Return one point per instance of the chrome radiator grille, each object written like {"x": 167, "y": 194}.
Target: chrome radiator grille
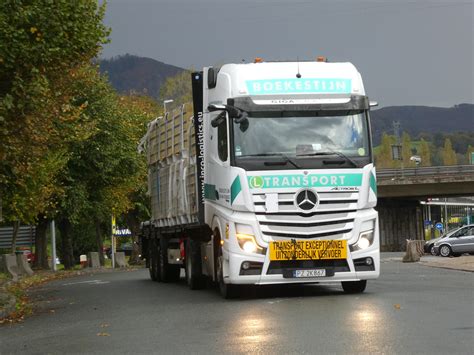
{"x": 333, "y": 216}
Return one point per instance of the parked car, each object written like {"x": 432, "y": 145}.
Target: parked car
{"x": 429, "y": 244}
{"x": 457, "y": 243}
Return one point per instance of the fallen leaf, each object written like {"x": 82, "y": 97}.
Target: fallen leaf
{"x": 103, "y": 334}
{"x": 104, "y": 325}
{"x": 397, "y": 306}
{"x": 52, "y": 311}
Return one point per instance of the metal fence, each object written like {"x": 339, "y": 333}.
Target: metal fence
{"x": 26, "y": 236}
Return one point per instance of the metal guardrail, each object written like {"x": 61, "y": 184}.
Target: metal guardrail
{"x": 424, "y": 171}
{"x": 26, "y": 236}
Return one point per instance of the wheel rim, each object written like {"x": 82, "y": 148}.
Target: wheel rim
{"x": 432, "y": 250}
{"x": 444, "y": 251}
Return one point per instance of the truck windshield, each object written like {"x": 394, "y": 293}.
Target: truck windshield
{"x": 300, "y": 137}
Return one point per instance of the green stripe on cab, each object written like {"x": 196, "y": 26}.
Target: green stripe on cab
{"x": 373, "y": 183}
{"x": 210, "y": 192}
{"x": 235, "y": 189}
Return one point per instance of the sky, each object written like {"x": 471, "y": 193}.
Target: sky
{"x": 408, "y": 52}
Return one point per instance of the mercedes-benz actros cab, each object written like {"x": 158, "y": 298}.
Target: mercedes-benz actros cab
{"x": 269, "y": 181}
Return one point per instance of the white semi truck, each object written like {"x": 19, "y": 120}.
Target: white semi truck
{"x": 270, "y": 181}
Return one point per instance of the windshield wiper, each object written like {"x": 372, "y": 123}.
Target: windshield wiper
{"x": 332, "y": 152}
{"x": 287, "y": 159}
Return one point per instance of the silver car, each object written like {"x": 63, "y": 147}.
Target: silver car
{"x": 457, "y": 243}
{"x": 429, "y": 244}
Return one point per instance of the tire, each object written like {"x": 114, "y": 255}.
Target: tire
{"x": 227, "y": 291}
{"x": 194, "y": 277}
{"x": 432, "y": 250}
{"x": 354, "y": 286}
{"x": 168, "y": 273}
{"x": 154, "y": 263}
{"x": 445, "y": 250}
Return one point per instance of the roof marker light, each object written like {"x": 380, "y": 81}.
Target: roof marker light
{"x": 258, "y": 60}
{"x": 322, "y": 59}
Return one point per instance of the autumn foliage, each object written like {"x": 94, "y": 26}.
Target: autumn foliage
{"x": 67, "y": 139}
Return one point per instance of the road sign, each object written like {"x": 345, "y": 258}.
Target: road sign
{"x": 439, "y": 226}
{"x": 427, "y": 223}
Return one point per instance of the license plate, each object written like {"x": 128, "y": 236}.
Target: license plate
{"x": 309, "y": 273}
{"x": 308, "y": 250}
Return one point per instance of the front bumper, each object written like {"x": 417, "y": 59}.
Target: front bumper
{"x": 273, "y": 272}
{"x": 266, "y": 272}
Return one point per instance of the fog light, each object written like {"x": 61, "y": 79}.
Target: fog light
{"x": 369, "y": 261}
{"x": 245, "y": 265}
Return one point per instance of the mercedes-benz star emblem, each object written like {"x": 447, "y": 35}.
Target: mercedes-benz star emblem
{"x": 306, "y": 200}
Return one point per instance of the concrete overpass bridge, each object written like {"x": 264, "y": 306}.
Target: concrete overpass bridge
{"x": 400, "y": 192}
{"x": 436, "y": 181}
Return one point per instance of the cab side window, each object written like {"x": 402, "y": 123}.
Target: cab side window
{"x": 222, "y": 150}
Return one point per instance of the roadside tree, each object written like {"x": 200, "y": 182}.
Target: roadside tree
{"x": 42, "y": 43}
{"x": 448, "y": 153}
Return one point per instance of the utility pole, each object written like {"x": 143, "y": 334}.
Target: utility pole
{"x": 445, "y": 214}
{"x": 397, "y": 147}
{"x": 53, "y": 245}
{"x": 112, "y": 246}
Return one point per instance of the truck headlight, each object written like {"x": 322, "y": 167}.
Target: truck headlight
{"x": 246, "y": 239}
{"x": 247, "y": 243}
{"x": 365, "y": 240}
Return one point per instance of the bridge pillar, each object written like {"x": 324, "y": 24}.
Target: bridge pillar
{"x": 399, "y": 220}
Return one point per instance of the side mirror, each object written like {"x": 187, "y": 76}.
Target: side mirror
{"x": 243, "y": 121}
{"x": 218, "y": 120}
{"x": 373, "y": 103}
{"x": 239, "y": 116}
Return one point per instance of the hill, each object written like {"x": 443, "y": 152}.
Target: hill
{"x": 129, "y": 73}
{"x": 422, "y": 119}
{"x": 145, "y": 75}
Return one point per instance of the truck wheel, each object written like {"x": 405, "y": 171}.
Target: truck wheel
{"x": 354, "y": 286}
{"x": 227, "y": 291}
{"x": 194, "y": 277}
{"x": 153, "y": 255}
{"x": 168, "y": 273}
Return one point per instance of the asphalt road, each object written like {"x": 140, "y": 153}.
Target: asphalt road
{"x": 411, "y": 309}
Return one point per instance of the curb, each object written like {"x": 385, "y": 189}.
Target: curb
{"x": 424, "y": 263}
{"x": 429, "y": 264}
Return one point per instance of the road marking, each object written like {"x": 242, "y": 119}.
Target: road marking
{"x": 90, "y": 282}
